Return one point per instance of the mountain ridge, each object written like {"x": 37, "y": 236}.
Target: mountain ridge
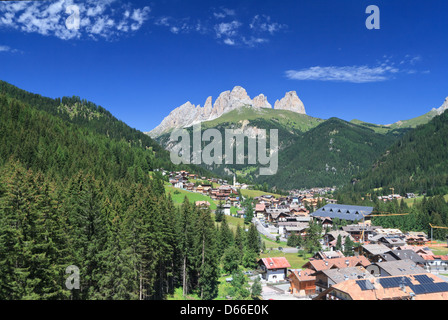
{"x": 188, "y": 114}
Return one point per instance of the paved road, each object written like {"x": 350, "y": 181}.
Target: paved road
{"x": 265, "y": 231}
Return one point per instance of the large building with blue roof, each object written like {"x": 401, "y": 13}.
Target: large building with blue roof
{"x": 343, "y": 212}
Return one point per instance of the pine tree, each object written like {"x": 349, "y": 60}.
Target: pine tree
{"x": 207, "y": 266}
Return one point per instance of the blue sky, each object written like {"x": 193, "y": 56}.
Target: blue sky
{"x": 142, "y": 59}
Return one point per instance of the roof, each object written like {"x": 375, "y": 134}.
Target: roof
{"x": 400, "y": 267}
{"x": 424, "y": 286}
{"x": 342, "y": 211}
{"x": 303, "y": 275}
{"x": 338, "y": 263}
{"x": 340, "y": 275}
{"x": 330, "y": 254}
{"x": 407, "y": 254}
{"x": 275, "y": 263}
{"x": 375, "y": 248}
{"x": 260, "y": 207}
{"x": 359, "y": 228}
{"x": 434, "y": 257}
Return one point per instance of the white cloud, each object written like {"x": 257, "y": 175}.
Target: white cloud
{"x": 229, "y": 42}
{"x": 223, "y": 13}
{"x": 227, "y": 29}
{"x": 4, "y": 48}
{"x": 253, "y": 41}
{"x": 263, "y": 23}
{"x": 354, "y": 74}
{"x": 97, "y": 18}
{"x": 384, "y": 70}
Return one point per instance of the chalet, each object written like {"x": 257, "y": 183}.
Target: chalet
{"x": 324, "y": 255}
{"x": 373, "y": 252}
{"x": 358, "y": 230}
{"x": 330, "y": 277}
{"x": 325, "y": 222}
{"x": 392, "y": 242}
{"x": 260, "y": 210}
{"x": 394, "y": 255}
{"x": 206, "y": 188}
{"x": 189, "y": 186}
{"x": 177, "y": 183}
{"x": 331, "y": 238}
{"x": 203, "y": 204}
{"x": 436, "y": 263}
{"x": 277, "y": 215}
{"x": 336, "y": 263}
{"x": 388, "y": 232}
{"x": 233, "y": 200}
{"x": 298, "y": 211}
{"x": 424, "y": 286}
{"x": 416, "y": 238}
{"x": 394, "y": 268}
{"x": 343, "y": 212}
{"x": 298, "y": 230}
{"x": 302, "y": 283}
{"x": 274, "y": 269}
{"x": 419, "y": 250}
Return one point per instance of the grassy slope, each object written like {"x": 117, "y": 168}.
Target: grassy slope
{"x": 178, "y": 196}
{"x": 285, "y": 118}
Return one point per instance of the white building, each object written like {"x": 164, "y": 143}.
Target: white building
{"x": 274, "y": 269}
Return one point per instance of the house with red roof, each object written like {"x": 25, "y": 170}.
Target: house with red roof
{"x": 436, "y": 263}
{"x": 336, "y": 263}
{"x": 274, "y": 269}
{"x": 260, "y": 210}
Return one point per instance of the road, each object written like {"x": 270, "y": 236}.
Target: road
{"x": 264, "y": 231}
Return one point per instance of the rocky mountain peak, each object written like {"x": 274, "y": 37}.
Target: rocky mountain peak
{"x": 443, "y": 108}
{"x": 188, "y": 114}
{"x": 290, "y": 102}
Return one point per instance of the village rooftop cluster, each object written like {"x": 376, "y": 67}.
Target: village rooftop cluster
{"x": 386, "y": 264}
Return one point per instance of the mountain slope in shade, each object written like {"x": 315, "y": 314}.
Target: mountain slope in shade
{"x": 416, "y": 163}
{"x": 328, "y": 155}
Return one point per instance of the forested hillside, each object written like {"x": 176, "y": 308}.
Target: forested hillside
{"x": 416, "y": 163}
{"x": 75, "y": 189}
{"x": 329, "y": 155}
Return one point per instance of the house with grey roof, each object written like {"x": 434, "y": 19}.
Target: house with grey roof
{"x": 327, "y": 278}
{"x": 395, "y": 255}
{"x": 394, "y": 268}
{"x": 373, "y": 252}
{"x": 343, "y": 212}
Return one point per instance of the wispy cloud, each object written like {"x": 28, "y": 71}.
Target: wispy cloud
{"x": 4, "y": 48}
{"x": 383, "y": 71}
{"x": 227, "y": 29}
{"x": 263, "y": 23}
{"x": 98, "y": 18}
{"x": 223, "y": 13}
{"x": 226, "y": 26}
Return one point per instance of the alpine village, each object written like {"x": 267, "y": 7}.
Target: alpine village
{"x": 342, "y": 219}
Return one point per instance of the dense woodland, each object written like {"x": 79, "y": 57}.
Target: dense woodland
{"x": 416, "y": 163}
{"x": 76, "y": 189}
